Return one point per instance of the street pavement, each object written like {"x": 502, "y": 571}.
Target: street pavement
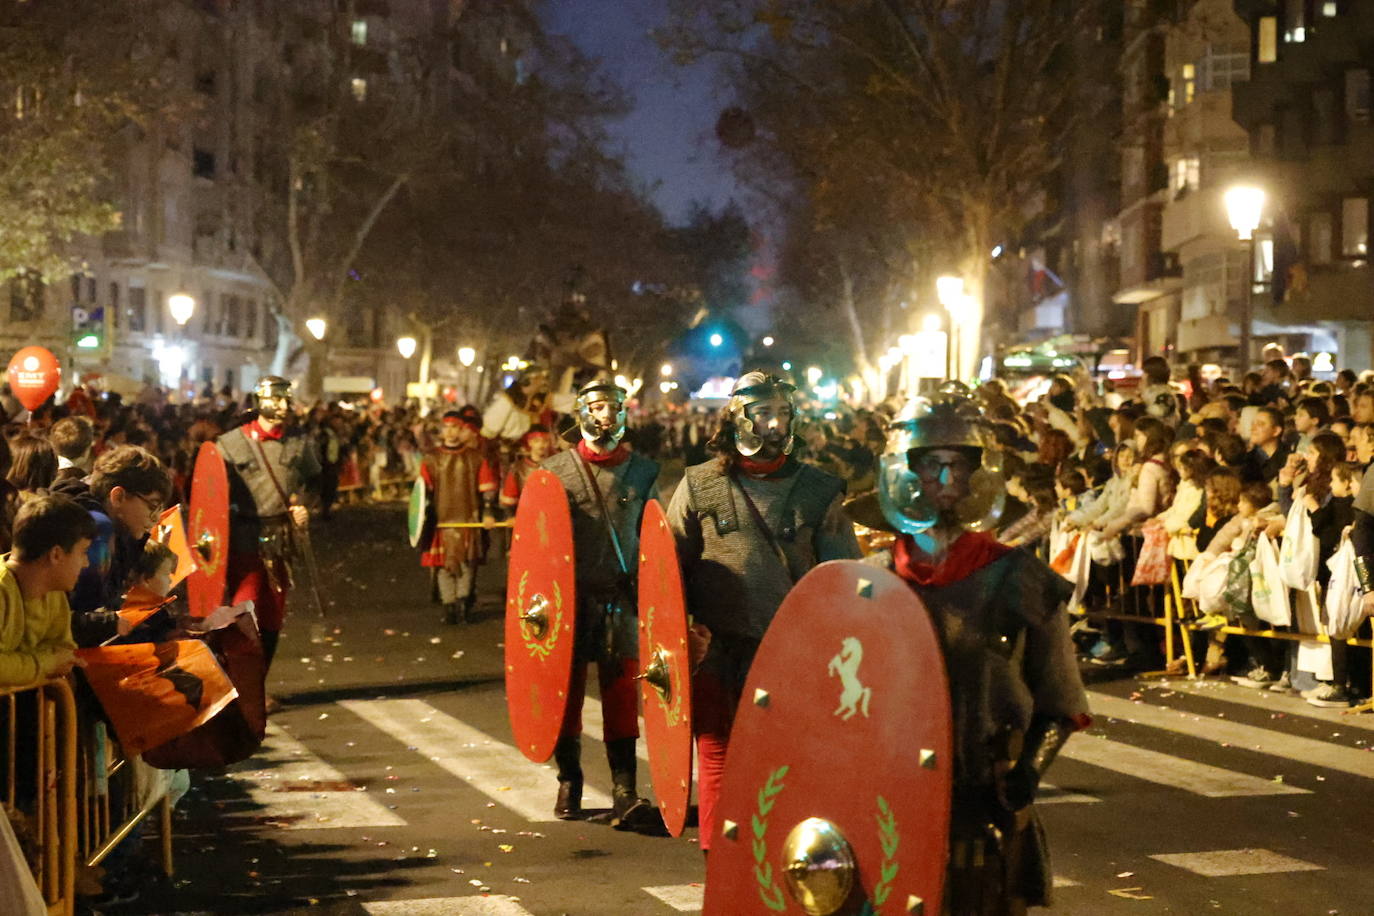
{"x": 388, "y": 784}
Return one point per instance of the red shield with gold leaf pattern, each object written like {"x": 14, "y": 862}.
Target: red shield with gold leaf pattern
{"x": 208, "y": 531}
{"x": 665, "y": 669}
{"x": 541, "y": 605}
{"x": 837, "y": 784}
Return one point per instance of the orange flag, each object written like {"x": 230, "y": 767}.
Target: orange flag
{"x": 170, "y": 530}
{"x": 141, "y": 603}
{"x": 154, "y": 692}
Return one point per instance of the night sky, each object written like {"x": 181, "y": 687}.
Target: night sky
{"x": 669, "y": 137}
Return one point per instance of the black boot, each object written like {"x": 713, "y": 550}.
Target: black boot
{"x": 567, "y": 753}
{"x": 628, "y": 810}
{"x": 451, "y": 613}
{"x": 465, "y": 608}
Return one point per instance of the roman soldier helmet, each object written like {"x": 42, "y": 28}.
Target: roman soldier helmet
{"x": 750, "y": 389}
{"x": 594, "y": 392}
{"x": 268, "y": 394}
{"x": 949, "y": 422}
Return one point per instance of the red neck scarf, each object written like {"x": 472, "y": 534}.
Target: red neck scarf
{"x": 761, "y": 468}
{"x": 616, "y": 456}
{"x": 970, "y": 553}
{"x": 256, "y": 430}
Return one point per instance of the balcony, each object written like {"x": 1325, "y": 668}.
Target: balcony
{"x": 1196, "y": 215}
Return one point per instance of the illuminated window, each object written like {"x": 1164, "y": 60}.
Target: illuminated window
{"x": 360, "y": 32}
{"x": 1223, "y": 66}
{"x": 1186, "y": 173}
{"x": 1330, "y": 9}
{"x": 1295, "y": 21}
{"x": 1188, "y": 85}
{"x": 1355, "y": 227}
{"x": 359, "y": 86}
{"x": 1267, "y": 50}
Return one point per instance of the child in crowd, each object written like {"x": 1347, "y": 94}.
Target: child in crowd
{"x": 51, "y": 537}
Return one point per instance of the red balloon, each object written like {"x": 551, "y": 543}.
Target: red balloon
{"x": 34, "y": 375}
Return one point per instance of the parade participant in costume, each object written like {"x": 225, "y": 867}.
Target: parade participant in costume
{"x": 269, "y": 466}
{"x": 1014, "y": 685}
{"x": 748, "y": 525}
{"x": 462, "y": 485}
{"x": 1362, "y": 539}
{"x": 515, "y": 409}
{"x": 535, "y": 446}
{"x": 607, "y": 487}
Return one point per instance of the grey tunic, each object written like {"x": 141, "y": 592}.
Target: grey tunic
{"x": 256, "y": 508}
{"x": 735, "y": 581}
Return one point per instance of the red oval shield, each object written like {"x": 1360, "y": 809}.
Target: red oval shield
{"x": 208, "y": 531}
{"x": 666, "y": 677}
{"x": 845, "y": 717}
{"x": 541, "y": 605}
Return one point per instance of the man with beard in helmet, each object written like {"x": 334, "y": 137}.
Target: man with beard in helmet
{"x": 269, "y": 466}
{"x": 607, "y": 487}
{"x": 748, "y": 525}
{"x": 1014, "y": 685}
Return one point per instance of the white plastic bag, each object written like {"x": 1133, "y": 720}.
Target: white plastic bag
{"x": 1206, "y": 581}
{"x": 1298, "y": 552}
{"x": 1343, "y": 615}
{"x": 1079, "y": 571}
{"x": 1104, "y": 550}
{"x": 17, "y": 886}
{"x": 1268, "y": 593}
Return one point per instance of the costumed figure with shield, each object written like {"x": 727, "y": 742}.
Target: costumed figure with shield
{"x": 748, "y": 525}
{"x": 607, "y": 487}
{"x": 1014, "y": 687}
{"x": 462, "y": 491}
{"x": 535, "y": 446}
{"x": 269, "y": 466}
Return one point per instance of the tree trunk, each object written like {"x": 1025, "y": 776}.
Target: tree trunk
{"x": 874, "y": 379}
{"x": 972, "y": 330}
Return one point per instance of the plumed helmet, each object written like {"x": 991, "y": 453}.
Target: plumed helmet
{"x": 593, "y": 392}
{"x": 750, "y": 389}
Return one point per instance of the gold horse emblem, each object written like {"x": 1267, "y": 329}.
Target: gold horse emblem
{"x": 854, "y": 696}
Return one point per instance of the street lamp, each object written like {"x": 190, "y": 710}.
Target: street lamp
{"x": 316, "y": 327}
{"x": 406, "y": 346}
{"x": 665, "y": 370}
{"x": 950, "y": 291}
{"x": 717, "y": 340}
{"x": 182, "y": 307}
{"x": 467, "y": 356}
{"x": 768, "y": 341}
{"x": 813, "y": 375}
{"x": 1244, "y": 206}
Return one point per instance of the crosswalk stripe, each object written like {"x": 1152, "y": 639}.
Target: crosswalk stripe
{"x": 448, "y": 906}
{"x": 1286, "y": 703}
{"x": 496, "y": 769}
{"x": 1307, "y": 751}
{"x": 1175, "y": 772}
{"x": 593, "y": 724}
{"x": 685, "y": 898}
{"x": 1053, "y": 795}
{"x": 1223, "y": 863}
{"x": 290, "y": 785}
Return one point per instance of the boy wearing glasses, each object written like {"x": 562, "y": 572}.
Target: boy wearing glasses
{"x": 124, "y": 495}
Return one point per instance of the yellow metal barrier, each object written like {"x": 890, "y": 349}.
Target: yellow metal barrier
{"x": 40, "y": 781}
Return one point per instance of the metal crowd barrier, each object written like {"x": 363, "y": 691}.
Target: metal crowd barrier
{"x": 40, "y": 754}
{"x": 112, "y": 801}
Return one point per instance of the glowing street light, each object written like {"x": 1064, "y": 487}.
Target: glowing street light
{"x": 1244, "y": 207}
{"x": 932, "y": 322}
{"x": 813, "y": 375}
{"x": 406, "y": 346}
{"x": 665, "y": 370}
{"x": 182, "y": 307}
{"x": 717, "y": 340}
{"x": 467, "y": 356}
{"x": 949, "y": 290}
{"x": 316, "y": 327}
{"x": 665, "y": 387}
{"x": 786, "y": 367}
{"x": 768, "y": 341}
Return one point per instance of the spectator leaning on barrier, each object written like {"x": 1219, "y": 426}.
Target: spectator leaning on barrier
{"x": 124, "y": 496}
{"x": 51, "y": 537}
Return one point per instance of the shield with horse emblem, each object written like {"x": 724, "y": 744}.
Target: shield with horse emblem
{"x": 836, "y": 796}
{"x": 666, "y": 678}
{"x": 541, "y": 604}
{"x": 208, "y": 531}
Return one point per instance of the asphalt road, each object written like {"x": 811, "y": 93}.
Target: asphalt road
{"x": 388, "y": 785}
